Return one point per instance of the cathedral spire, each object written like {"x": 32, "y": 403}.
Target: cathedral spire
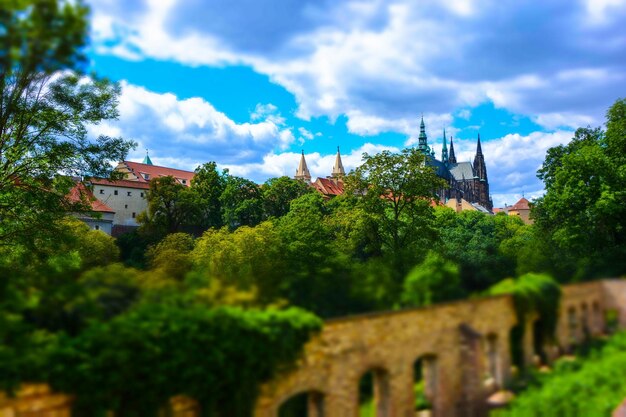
{"x": 423, "y": 139}
{"x": 338, "y": 171}
{"x": 444, "y": 150}
{"x": 452, "y": 158}
{"x": 302, "y": 173}
{"x": 479, "y": 149}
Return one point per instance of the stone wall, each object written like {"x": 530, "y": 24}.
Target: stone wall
{"x": 464, "y": 347}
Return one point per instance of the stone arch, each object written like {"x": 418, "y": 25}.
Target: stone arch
{"x": 304, "y": 403}
{"x": 380, "y": 389}
{"x": 584, "y": 321}
{"x": 493, "y": 360}
{"x": 596, "y": 318}
{"x": 425, "y": 384}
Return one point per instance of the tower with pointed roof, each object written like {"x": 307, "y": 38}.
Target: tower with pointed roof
{"x": 423, "y": 139}
{"x": 444, "y": 149}
{"x": 338, "y": 171}
{"x": 481, "y": 184}
{"x": 302, "y": 173}
{"x": 452, "y": 157}
{"x": 147, "y": 159}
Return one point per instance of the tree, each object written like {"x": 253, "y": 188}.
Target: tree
{"x": 242, "y": 203}
{"x": 46, "y": 105}
{"x": 208, "y": 185}
{"x": 434, "y": 280}
{"x": 398, "y": 189}
{"x": 279, "y": 192}
{"x": 584, "y": 207}
{"x": 170, "y": 206}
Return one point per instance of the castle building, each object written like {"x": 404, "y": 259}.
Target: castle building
{"x": 467, "y": 181}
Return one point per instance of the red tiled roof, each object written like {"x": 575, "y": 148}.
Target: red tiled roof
{"x": 522, "y": 204}
{"x": 497, "y": 210}
{"x": 328, "y": 186}
{"x": 155, "y": 171}
{"x": 121, "y": 183}
{"x": 81, "y": 193}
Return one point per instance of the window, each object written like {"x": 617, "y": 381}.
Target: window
{"x": 146, "y": 176}
{"x": 133, "y": 214}
{"x": 101, "y": 191}
{"x": 184, "y": 181}
{"x": 115, "y": 192}
{"x": 141, "y": 194}
{"x": 97, "y": 227}
{"x": 128, "y": 193}
{"x": 125, "y": 205}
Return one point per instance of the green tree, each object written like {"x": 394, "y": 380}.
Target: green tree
{"x": 279, "y": 192}
{"x": 208, "y": 185}
{"x": 46, "y": 105}
{"x": 242, "y": 203}
{"x": 398, "y": 189}
{"x": 171, "y": 206}
{"x": 172, "y": 255}
{"x": 434, "y": 280}
{"x": 583, "y": 209}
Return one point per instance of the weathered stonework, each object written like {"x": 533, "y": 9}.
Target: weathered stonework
{"x": 464, "y": 347}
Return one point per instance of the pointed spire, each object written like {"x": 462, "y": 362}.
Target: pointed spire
{"x": 444, "y": 150}
{"x": 479, "y": 150}
{"x": 302, "y": 173}
{"x": 338, "y": 171}
{"x": 423, "y": 139}
{"x": 452, "y": 158}
{"x": 147, "y": 159}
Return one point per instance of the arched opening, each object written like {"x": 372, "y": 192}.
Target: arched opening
{"x": 516, "y": 338}
{"x": 425, "y": 385}
{"x": 374, "y": 394}
{"x": 493, "y": 379}
{"x": 539, "y": 341}
{"x": 572, "y": 325}
{"x": 596, "y": 313}
{"x": 585, "y": 321}
{"x": 304, "y": 404}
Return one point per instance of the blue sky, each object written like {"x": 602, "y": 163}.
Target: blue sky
{"x": 249, "y": 84}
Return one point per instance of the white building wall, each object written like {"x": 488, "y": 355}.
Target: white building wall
{"x": 125, "y": 201}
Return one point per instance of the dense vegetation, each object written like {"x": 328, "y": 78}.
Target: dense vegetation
{"x": 590, "y": 386}
{"x": 224, "y": 281}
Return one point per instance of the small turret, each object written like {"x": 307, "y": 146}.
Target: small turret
{"x": 147, "y": 159}
{"x": 302, "y": 173}
{"x": 338, "y": 171}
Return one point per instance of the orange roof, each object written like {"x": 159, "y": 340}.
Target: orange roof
{"x": 497, "y": 210}
{"x": 154, "y": 171}
{"x": 120, "y": 183}
{"x": 328, "y": 186}
{"x": 522, "y": 204}
{"x": 81, "y": 193}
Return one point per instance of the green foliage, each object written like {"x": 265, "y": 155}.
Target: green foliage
{"x": 583, "y": 210}
{"x": 434, "y": 280}
{"x": 208, "y": 185}
{"x": 397, "y": 190}
{"x": 242, "y": 203}
{"x": 172, "y": 255}
{"x": 533, "y": 294}
{"x": 171, "y": 206}
{"x": 278, "y": 193}
{"x": 590, "y": 387}
{"x": 46, "y": 107}
{"x": 218, "y": 356}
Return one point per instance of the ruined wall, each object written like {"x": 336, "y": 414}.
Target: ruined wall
{"x": 464, "y": 346}
{"x": 390, "y": 343}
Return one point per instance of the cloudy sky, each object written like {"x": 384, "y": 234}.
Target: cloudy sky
{"x": 251, "y": 83}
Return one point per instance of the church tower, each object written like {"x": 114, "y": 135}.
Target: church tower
{"x": 481, "y": 184}
{"x": 423, "y": 139}
{"x": 444, "y": 150}
{"x": 302, "y": 173}
{"x": 338, "y": 171}
{"x": 452, "y": 158}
